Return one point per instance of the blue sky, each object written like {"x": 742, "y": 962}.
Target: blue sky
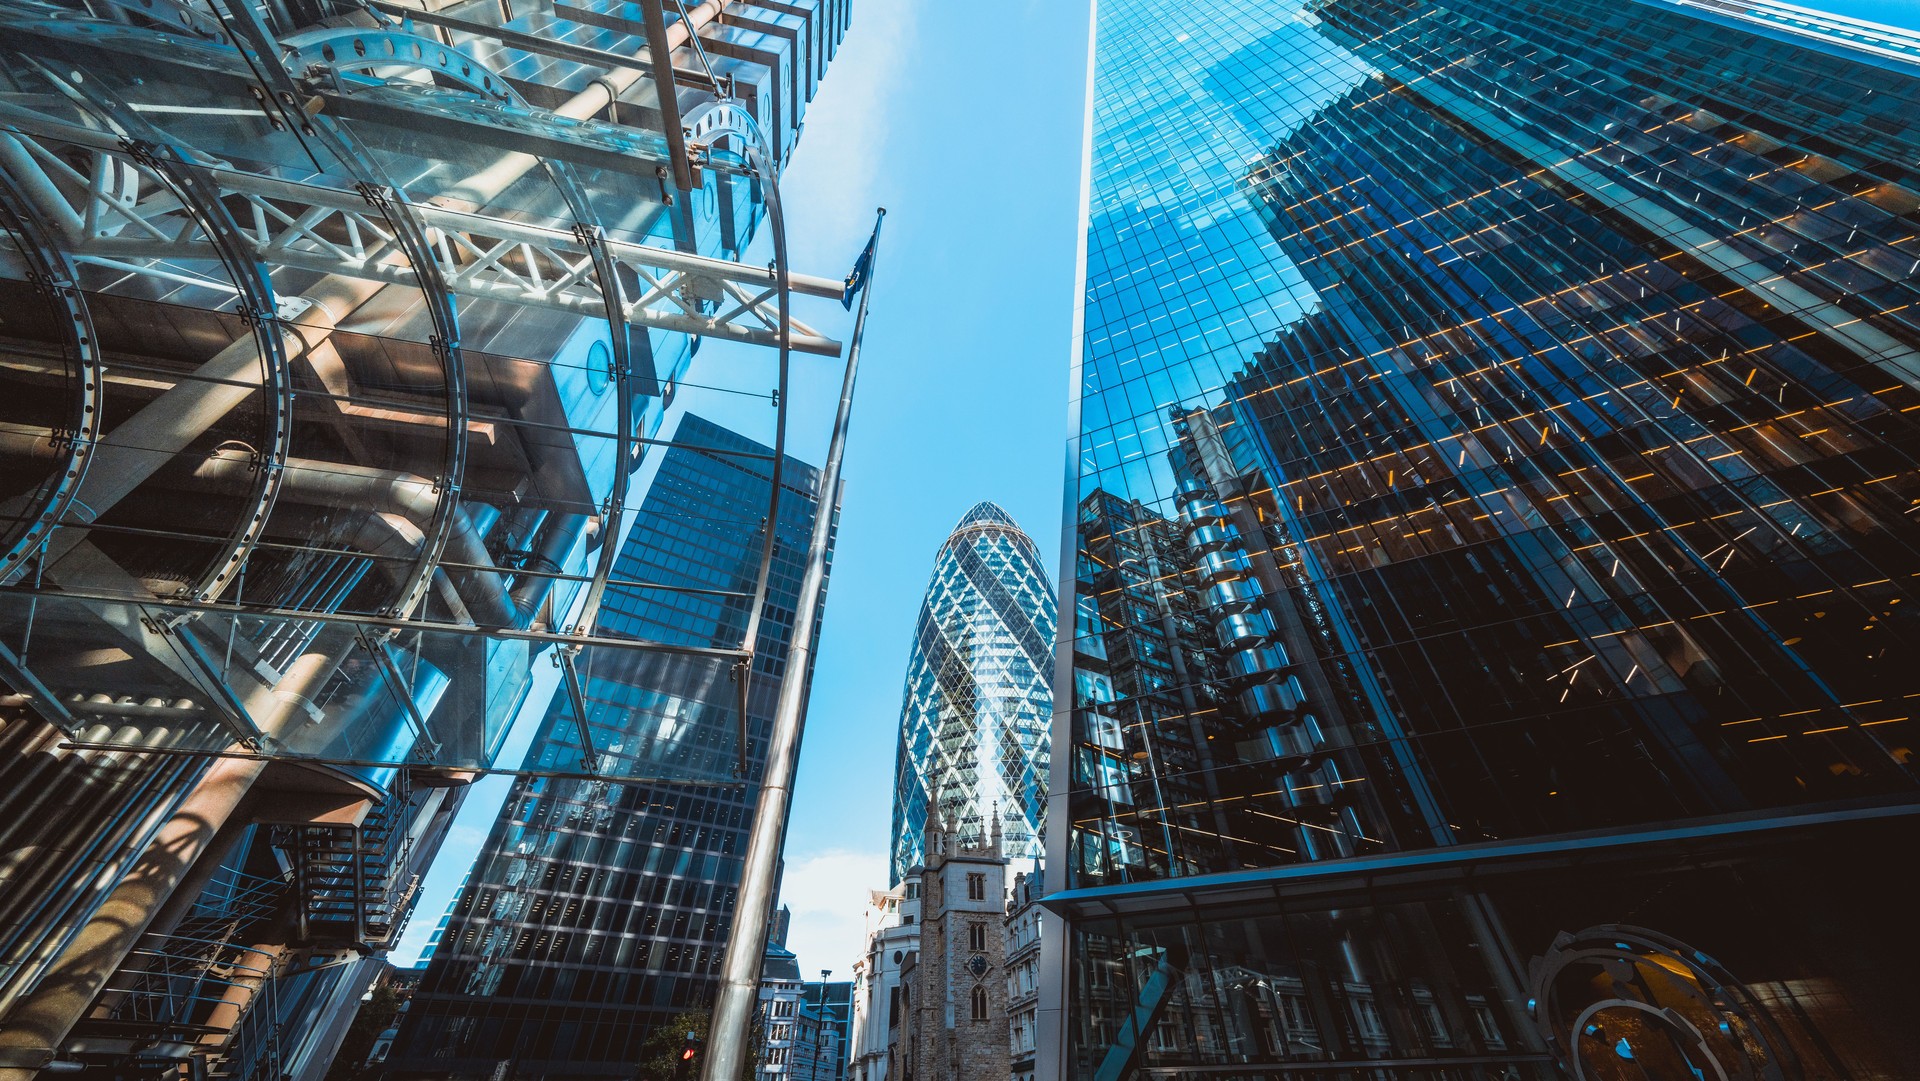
{"x": 963, "y": 119}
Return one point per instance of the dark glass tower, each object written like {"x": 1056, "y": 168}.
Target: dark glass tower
{"x": 1494, "y": 544}
{"x": 598, "y": 911}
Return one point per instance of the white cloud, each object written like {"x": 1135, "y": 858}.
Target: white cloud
{"x": 830, "y": 184}
{"x": 828, "y": 894}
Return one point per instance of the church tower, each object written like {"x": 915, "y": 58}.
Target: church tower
{"x": 957, "y": 1018}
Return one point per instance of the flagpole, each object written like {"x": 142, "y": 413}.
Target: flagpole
{"x": 727, "y": 1050}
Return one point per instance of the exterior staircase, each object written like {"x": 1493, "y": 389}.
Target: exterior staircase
{"x": 178, "y": 996}
{"x": 352, "y": 882}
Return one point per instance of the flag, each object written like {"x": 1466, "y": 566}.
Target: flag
{"x": 857, "y": 277}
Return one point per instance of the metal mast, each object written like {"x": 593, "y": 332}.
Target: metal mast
{"x": 747, "y": 940}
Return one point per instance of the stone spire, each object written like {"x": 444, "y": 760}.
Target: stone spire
{"x": 935, "y": 843}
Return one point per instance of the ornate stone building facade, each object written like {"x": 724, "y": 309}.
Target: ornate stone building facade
{"x": 955, "y": 1006}
{"x": 1021, "y": 933}
{"x": 892, "y": 937}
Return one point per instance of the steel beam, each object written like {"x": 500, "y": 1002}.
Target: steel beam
{"x": 728, "y": 1046}
{"x": 240, "y": 611}
{"x": 331, "y": 231}
{"x": 668, "y": 95}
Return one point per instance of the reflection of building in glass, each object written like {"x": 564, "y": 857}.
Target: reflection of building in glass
{"x": 1493, "y": 562}
{"x": 973, "y": 728}
{"x": 598, "y": 911}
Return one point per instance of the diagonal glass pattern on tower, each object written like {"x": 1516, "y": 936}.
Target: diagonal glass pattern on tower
{"x": 978, "y": 700}
{"x": 1494, "y": 550}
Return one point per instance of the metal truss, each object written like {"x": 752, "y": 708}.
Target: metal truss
{"x": 91, "y": 178}
{"x": 104, "y": 215}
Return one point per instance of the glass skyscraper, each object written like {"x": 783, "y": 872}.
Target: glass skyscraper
{"x": 977, "y": 706}
{"x": 1494, "y": 545}
{"x": 597, "y": 911}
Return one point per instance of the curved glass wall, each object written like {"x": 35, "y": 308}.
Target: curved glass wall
{"x": 978, "y": 700}
{"x": 394, "y": 325}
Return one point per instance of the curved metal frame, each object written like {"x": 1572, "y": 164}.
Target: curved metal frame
{"x": 199, "y": 195}
{"x": 1673, "y": 1023}
{"x": 57, "y": 276}
{"x": 199, "y": 192}
{"x": 413, "y": 242}
{"x": 720, "y": 118}
{"x": 616, "y": 507}
{"x": 411, "y": 237}
{"x": 612, "y": 293}
{"x": 1718, "y": 990}
{"x": 385, "y": 47}
{"x": 760, "y": 157}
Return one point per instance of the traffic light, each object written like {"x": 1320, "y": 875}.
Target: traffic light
{"x": 689, "y": 1056}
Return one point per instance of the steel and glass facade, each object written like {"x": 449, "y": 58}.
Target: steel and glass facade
{"x": 1491, "y": 550}
{"x": 978, "y": 701}
{"x": 597, "y": 911}
{"x": 335, "y": 337}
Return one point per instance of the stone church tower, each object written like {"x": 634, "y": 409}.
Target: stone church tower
{"x": 957, "y": 1019}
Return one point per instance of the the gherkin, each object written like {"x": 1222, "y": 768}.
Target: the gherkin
{"x": 978, "y": 698}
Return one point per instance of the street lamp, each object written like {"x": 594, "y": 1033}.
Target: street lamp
{"x": 820, "y": 1027}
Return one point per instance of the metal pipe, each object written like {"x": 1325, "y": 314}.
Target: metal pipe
{"x": 366, "y": 489}
{"x": 397, "y": 539}
{"x": 159, "y": 784}
{"x": 486, "y": 185}
{"x": 727, "y": 1048}
{"x": 86, "y": 882}
{"x": 530, "y": 591}
{"x": 482, "y": 592}
{"x": 39, "y": 793}
{"x": 144, "y": 443}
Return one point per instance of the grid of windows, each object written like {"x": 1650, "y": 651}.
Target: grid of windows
{"x": 596, "y": 912}
{"x": 1496, "y": 421}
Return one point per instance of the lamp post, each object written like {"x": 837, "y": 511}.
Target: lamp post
{"x": 820, "y": 1027}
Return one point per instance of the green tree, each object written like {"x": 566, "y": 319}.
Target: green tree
{"x": 659, "y": 1057}
{"x": 376, "y": 1016}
